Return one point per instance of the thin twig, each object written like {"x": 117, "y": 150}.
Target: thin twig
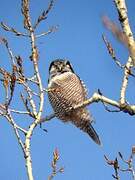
{"x": 112, "y": 52}
{"x": 28, "y": 89}
{"x": 47, "y": 118}
{"x": 25, "y": 102}
{"x": 125, "y": 81}
{"x": 15, "y": 128}
{"x": 12, "y": 85}
{"x": 30, "y": 98}
{"x": 51, "y": 30}
{"x": 44, "y": 14}
{"x": 21, "y": 129}
{"x": 26, "y": 14}
{"x": 129, "y": 163}
{"x": 13, "y": 30}
{"x": 12, "y": 57}
{"x": 32, "y": 79}
{"x": 19, "y": 112}
{"x": 55, "y": 170}
{"x": 115, "y": 165}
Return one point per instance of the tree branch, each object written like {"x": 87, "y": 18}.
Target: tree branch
{"x": 51, "y": 30}
{"x": 125, "y": 81}
{"x": 123, "y": 18}
{"x": 11, "y": 55}
{"x": 34, "y": 58}
{"x": 44, "y": 14}
{"x": 16, "y": 128}
{"x": 96, "y": 97}
{"x": 13, "y": 30}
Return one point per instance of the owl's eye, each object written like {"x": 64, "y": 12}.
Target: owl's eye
{"x": 68, "y": 64}
{"x": 52, "y": 69}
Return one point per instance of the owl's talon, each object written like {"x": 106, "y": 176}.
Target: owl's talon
{"x": 50, "y": 89}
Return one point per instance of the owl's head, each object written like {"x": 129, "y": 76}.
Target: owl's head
{"x": 59, "y": 66}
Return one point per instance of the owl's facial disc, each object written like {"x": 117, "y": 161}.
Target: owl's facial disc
{"x": 59, "y": 66}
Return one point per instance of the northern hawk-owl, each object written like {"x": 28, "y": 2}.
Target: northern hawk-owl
{"x": 65, "y": 90}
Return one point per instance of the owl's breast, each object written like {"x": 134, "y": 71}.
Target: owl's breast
{"x": 65, "y": 92}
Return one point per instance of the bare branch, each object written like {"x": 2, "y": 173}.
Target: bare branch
{"x": 129, "y": 163}
{"x": 33, "y": 80}
{"x": 31, "y": 92}
{"x": 12, "y": 85}
{"x": 44, "y": 14}
{"x": 16, "y": 128}
{"x": 112, "y": 52}
{"x": 51, "y": 30}
{"x": 19, "y": 112}
{"x": 96, "y": 97}
{"x": 25, "y": 102}
{"x": 30, "y": 98}
{"x": 125, "y": 81}
{"x": 21, "y": 129}
{"x": 115, "y": 165}
{"x": 105, "y": 105}
{"x": 13, "y": 30}
{"x": 55, "y": 170}
{"x": 34, "y": 58}
{"x": 26, "y": 14}
{"x": 123, "y": 17}
{"x": 19, "y": 68}
{"x": 6, "y": 81}
{"x": 47, "y": 118}
{"x": 9, "y": 50}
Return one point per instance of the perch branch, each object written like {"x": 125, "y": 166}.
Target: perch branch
{"x": 96, "y": 97}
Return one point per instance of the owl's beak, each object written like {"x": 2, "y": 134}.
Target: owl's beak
{"x": 60, "y": 68}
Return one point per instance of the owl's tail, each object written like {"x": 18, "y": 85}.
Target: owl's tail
{"x": 88, "y": 128}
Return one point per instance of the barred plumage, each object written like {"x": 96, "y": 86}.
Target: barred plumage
{"x": 65, "y": 91}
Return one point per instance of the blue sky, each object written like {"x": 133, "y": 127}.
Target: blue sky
{"x": 79, "y": 39}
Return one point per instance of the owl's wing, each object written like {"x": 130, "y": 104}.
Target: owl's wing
{"x": 85, "y": 91}
{"x": 84, "y": 88}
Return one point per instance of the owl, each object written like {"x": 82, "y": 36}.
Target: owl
{"x": 65, "y": 91}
